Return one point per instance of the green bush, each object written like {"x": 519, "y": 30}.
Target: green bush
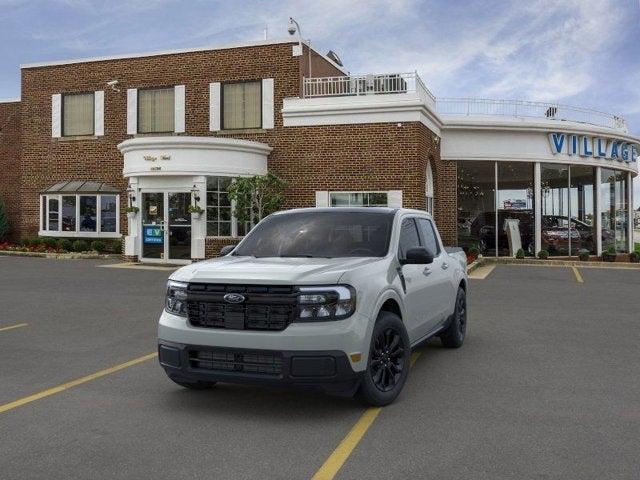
{"x": 610, "y": 254}
{"x": 634, "y": 257}
{"x": 4, "y": 221}
{"x": 26, "y": 242}
{"x": 474, "y": 251}
{"x": 583, "y": 254}
{"x": 80, "y": 246}
{"x": 543, "y": 254}
{"x": 49, "y": 242}
{"x": 115, "y": 246}
{"x": 65, "y": 244}
{"x": 98, "y": 246}
{"x": 520, "y": 254}
{"x": 35, "y": 241}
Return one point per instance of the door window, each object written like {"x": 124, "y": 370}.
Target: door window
{"x": 409, "y": 237}
{"x": 429, "y": 239}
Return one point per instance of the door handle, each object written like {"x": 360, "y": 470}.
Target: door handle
{"x": 426, "y": 272}
{"x": 445, "y": 266}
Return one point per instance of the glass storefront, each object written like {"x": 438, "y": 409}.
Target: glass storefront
{"x": 476, "y": 206}
{"x": 516, "y": 219}
{"x": 614, "y": 190}
{"x": 497, "y": 205}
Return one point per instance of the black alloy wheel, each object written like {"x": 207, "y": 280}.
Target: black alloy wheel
{"x": 387, "y": 359}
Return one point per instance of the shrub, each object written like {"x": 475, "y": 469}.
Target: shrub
{"x": 65, "y": 244}
{"x": 610, "y": 254}
{"x": 26, "y": 242}
{"x": 543, "y": 254}
{"x": 634, "y": 257}
{"x": 98, "y": 246}
{"x": 115, "y": 246}
{"x": 474, "y": 251}
{"x": 80, "y": 246}
{"x": 520, "y": 254}
{"x": 583, "y": 254}
{"x": 4, "y": 221}
{"x": 49, "y": 242}
{"x": 35, "y": 241}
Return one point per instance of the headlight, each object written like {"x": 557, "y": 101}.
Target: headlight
{"x": 325, "y": 302}
{"x": 176, "y": 299}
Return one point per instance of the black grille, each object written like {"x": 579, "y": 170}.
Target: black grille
{"x": 263, "y": 363}
{"x": 264, "y": 307}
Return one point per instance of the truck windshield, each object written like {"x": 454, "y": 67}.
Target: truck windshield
{"x": 320, "y": 234}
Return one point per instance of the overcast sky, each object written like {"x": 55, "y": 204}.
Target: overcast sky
{"x": 581, "y": 52}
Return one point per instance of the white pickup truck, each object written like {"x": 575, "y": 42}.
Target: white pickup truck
{"x": 330, "y": 298}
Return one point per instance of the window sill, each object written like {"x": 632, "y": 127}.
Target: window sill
{"x": 77, "y": 138}
{"x": 241, "y": 131}
{"x": 156, "y": 134}
{"x": 46, "y": 233}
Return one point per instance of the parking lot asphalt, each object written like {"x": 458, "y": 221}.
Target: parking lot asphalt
{"x": 546, "y": 386}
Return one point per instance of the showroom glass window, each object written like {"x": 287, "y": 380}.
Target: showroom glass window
{"x": 241, "y": 105}
{"x": 156, "y": 110}
{"x": 515, "y": 205}
{"x": 476, "y": 206}
{"x": 358, "y": 199}
{"x": 78, "y": 114}
{"x": 582, "y": 198}
{"x": 76, "y": 214}
{"x": 554, "y": 203}
{"x": 614, "y": 214}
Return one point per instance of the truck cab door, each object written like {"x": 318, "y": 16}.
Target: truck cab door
{"x": 417, "y": 295}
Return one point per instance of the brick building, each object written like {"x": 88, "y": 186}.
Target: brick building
{"x": 162, "y": 131}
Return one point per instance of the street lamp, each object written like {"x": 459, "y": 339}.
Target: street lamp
{"x": 292, "y": 29}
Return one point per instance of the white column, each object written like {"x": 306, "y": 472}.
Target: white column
{"x": 598, "y": 210}
{"x": 199, "y": 225}
{"x": 132, "y": 244}
{"x": 630, "y": 211}
{"x": 537, "y": 202}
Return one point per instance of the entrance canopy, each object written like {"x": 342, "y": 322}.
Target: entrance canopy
{"x": 81, "y": 186}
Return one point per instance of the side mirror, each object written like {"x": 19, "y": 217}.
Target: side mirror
{"x": 417, "y": 256}
{"x": 226, "y": 250}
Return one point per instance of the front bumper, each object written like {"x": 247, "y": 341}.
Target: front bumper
{"x": 328, "y": 370}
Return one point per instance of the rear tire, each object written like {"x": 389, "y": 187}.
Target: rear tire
{"x": 388, "y": 363}
{"x": 193, "y": 385}
{"x": 453, "y": 336}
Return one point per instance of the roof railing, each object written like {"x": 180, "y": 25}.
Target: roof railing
{"x": 527, "y": 109}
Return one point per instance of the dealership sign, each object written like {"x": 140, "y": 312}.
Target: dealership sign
{"x": 597, "y": 147}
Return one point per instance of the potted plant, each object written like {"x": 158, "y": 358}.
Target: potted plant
{"x": 543, "y": 254}
{"x": 610, "y": 254}
{"x": 195, "y": 211}
{"x": 132, "y": 211}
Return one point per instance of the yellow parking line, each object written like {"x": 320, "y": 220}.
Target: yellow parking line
{"x": 3, "y": 329}
{"x": 74, "y": 383}
{"x": 337, "y": 459}
{"x": 578, "y": 275}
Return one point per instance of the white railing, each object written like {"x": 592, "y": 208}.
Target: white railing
{"x": 355, "y": 85}
{"x": 526, "y": 109}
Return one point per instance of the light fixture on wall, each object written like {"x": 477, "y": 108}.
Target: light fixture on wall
{"x": 195, "y": 193}
{"x": 132, "y": 194}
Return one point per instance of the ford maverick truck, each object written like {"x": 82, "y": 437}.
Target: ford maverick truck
{"x": 333, "y": 299}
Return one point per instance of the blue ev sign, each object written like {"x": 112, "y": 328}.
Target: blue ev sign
{"x": 596, "y": 147}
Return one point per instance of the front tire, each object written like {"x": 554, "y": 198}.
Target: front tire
{"x": 388, "y": 364}
{"x": 453, "y": 336}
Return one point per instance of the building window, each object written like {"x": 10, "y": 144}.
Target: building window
{"x": 241, "y": 105}
{"x": 218, "y": 207}
{"x": 78, "y": 114}
{"x": 156, "y": 110}
{"x": 358, "y": 199}
{"x": 614, "y": 209}
{"x": 78, "y": 215}
{"x": 477, "y": 206}
{"x": 429, "y": 190}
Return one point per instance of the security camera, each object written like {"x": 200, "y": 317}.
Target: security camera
{"x": 292, "y": 27}
{"x": 112, "y": 84}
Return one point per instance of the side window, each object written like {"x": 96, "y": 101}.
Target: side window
{"x": 429, "y": 239}
{"x": 409, "y": 237}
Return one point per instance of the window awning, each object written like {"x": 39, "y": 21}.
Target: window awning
{"x": 81, "y": 186}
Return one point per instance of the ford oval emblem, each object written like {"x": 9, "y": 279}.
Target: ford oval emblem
{"x": 233, "y": 298}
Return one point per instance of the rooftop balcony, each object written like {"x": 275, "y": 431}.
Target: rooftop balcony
{"x": 411, "y": 83}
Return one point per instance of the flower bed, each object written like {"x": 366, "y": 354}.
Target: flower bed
{"x": 54, "y": 246}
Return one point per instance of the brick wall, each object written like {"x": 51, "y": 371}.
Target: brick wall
{"x": 9, "y": 162}
{"x": 338, "y": 157}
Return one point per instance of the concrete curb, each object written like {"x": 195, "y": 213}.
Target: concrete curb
{"x": 60, "y": 256}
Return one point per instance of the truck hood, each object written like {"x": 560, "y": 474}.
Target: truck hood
{"x": 271, "y": 270}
